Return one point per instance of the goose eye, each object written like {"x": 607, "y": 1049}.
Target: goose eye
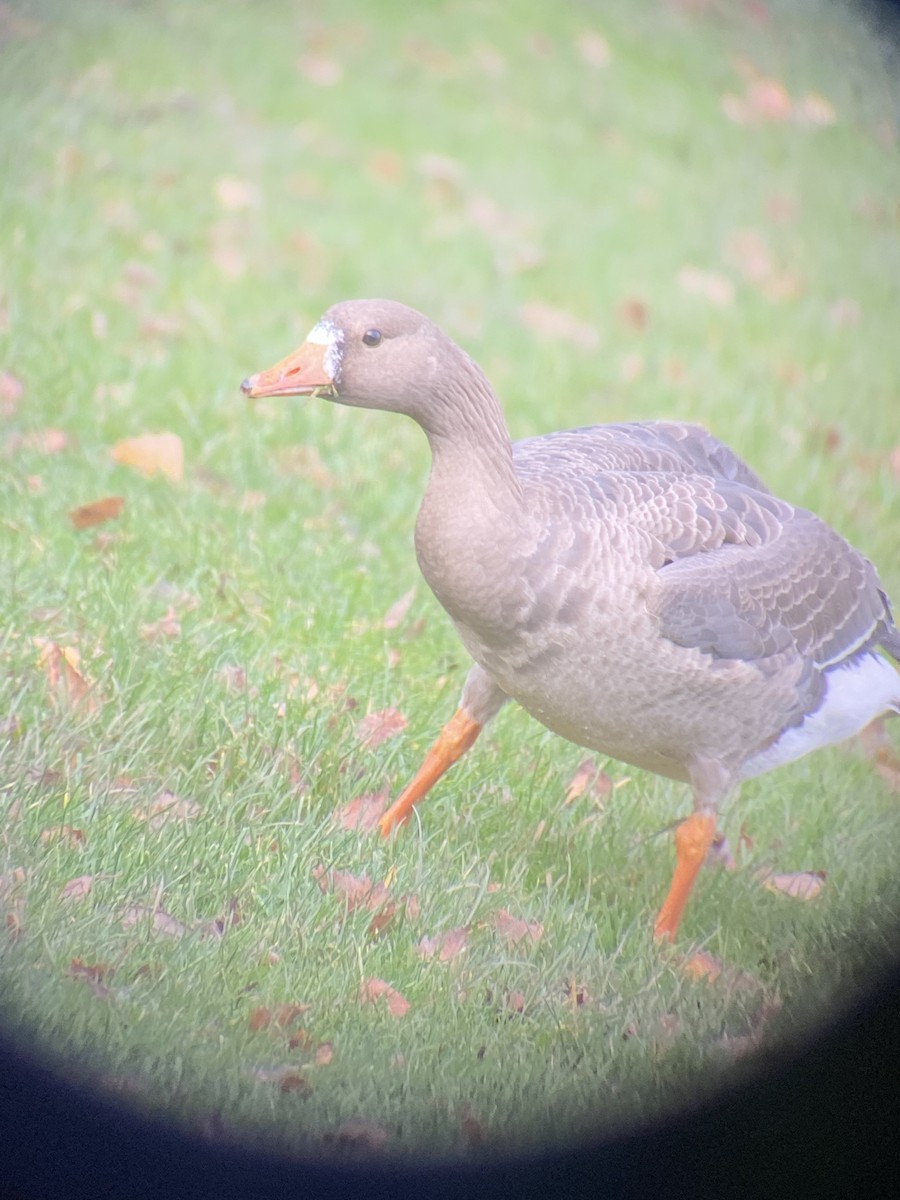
{"x": 372, "y": 337}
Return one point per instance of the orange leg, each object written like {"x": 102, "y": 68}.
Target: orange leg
{"x": 693, "y": 838}
{"x": 455, "y": 739}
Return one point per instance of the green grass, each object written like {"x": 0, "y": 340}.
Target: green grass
{"x": 117, "y": 124}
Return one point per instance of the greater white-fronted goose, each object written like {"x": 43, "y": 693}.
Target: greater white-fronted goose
{"x": 635, "y": 587}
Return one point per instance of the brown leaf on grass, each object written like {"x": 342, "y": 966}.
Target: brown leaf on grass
{"x": 321, "y": 70}
{"x": 514, "y": 929}
{"x": 62, "y": 833}
{"x": 594, "y": 48}
{"x": 303, "y": 460}
{"x": 216, "y": 927}
{"x": 386, "y": 166}
{"x": 577, "y": 994}
{"x": 11, "y": 883}
{"x": 282, "y": 1018}
{"x": 324, "y": 1054}
{"x": 377, "y": 727}
{"x": 765, "y": 101}
{"x": 799, "y": 885}
{"x": 358, "y": 891}
{"x": 382, "y": 920}
{"x": 396, "y": 614}
{"x": 167, "y": 626}
{"x": 445, "y": 946}
{"x": 703, "y": 965}
{"x": 814, "y": 109}
{"x": 709, "y": 285}
{"x": 94, "y": 975}
{"x": 363, "y": 812}
{"x": 68, "y": 687}
{"x": 887, "y": 767}
{"x": 589, "y": 778}
{"x": 236, "y": 195}
{"x": 160, "y": 921}
{"x": 41, "y": 441}
{"x": 152, "y": 454}
{"x": 373, "y": 990}
{"x": 11, "y": 391}
{"x": 844, "y": 313}
{"x": 77, "y": 889}
{"x": 167, "y": 807}
{"x": 358, "y": 1135}
{"x": 161, "y": 325}
{"x": 98, "y": 511}
{"x": 555, "y": 324}
{"x": 286, "y": 1078}
{"x": 472, "y": 1129}
{"x": 634, "y": 313}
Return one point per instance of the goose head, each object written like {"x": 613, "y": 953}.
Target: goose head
{"x": 376, "y": 354}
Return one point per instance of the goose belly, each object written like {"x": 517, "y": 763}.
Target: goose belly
{"x": 657, "y": 708}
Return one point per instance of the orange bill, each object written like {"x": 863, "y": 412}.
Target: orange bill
{"x": 302, "y": 373}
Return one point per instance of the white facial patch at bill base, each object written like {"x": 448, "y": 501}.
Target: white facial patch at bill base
{"x": 326, "y": 333}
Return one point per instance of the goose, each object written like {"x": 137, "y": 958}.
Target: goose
{"x": 635, "y": 587}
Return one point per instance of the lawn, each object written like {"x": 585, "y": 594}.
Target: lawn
{"x": 622, "y": 211}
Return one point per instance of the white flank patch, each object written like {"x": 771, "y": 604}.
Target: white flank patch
{"x": 866, "y": 688}
{"x": 326, "y": 333}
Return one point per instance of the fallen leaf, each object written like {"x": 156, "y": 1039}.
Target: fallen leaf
{"x": 236, "y": 195}
{"x": 844, "y": 313}
{"x": 11, "y": 391}
{"x": 589, "y": 776}
{"x": 764, "y": 101}
{"x": 358, "y": 890}
{"x": 363, "y": 812}
{"x": 446, "y": 946}
{"x": 280, "y": 1019}
{"x": 152, "y": 454}
{"x": 94, "y": 975}
{"x": 286, "y": 1078}
{"x": 386, "y": 166}
{"x": 710, "y": 285}
{"x": 77, "y": 889}
{"x": 594, "y": 48}
{"x": 165, "y": 808}
{"x": 161, "y": 325}
{"x": 217, "y": 926}
{"x": 634, "y": 313}
{"x": 168, "y": 626}
{"x": 703, "y": 965}
{"x": 320, "y": 70}
{"x": 358, "y": 1134}
{"x": 41, "y": 441}
{"x": 471, "y": 1127}
{"x": 62, "y": 833}
{"x": 396, "y": 614}
{"x": 98, "y": 511}
{"x": 373, "y": 990}
{"x": 556, "y": 324}
{"x": 68, "y": 686}
{"x": 377, "y": 727}
{"x": 324, "y": 1054}
{"x": 814, "y": 109}
{"x": 382, "y": 920}
{"x": 513, "y": 929}
{"x": 799, "y": 885}
{"x": 161, "y": 921}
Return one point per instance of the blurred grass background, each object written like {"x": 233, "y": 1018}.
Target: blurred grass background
{"x": 673, "y": 209}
